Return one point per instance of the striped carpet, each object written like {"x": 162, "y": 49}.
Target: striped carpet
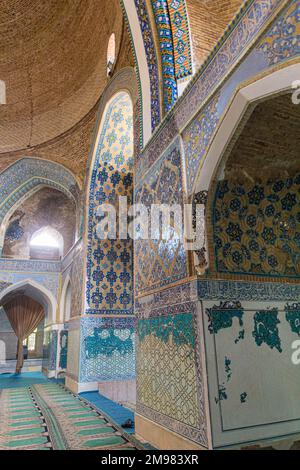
{"x": 47, "y": 416}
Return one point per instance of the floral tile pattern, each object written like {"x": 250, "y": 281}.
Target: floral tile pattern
{"x": 109, "y": 263}
{"x": 157, "y": 261}
{"x": 257, "y": 227}
{"x": 283, "y": 40}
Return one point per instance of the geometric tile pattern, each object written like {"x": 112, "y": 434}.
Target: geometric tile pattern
{"x": 109, "y": 262}
{"x": 107, "y": 349}
{"x": 166, "y": 368}
{"x": 257, "y": 227}
{"x": 157, "y": 261}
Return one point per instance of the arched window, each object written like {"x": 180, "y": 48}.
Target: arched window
{"x": 46, "y": 243}
{"x": 111, "y": 54}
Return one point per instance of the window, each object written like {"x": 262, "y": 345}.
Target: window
{"x": 46, "y": 242}
{"x": 111, "y": 54}
{"x": 30, "y": 342}
{"x": 45, "y": 238}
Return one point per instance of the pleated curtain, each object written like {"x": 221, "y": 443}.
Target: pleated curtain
{"x": 24, "y": 315}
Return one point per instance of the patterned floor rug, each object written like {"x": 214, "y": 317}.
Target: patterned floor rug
{"x": 47, "y": 416}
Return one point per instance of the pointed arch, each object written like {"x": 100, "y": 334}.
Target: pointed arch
{"x": 137, "y": 18}
{"x": 37, "y": 292}
{"x": 247, "y": 95}
{"x": 243, "y": 102}
{"x": 110, "y": 176}
{"x": 26, "y": 176}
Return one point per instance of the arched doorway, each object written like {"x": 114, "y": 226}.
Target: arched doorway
{"x": 251, "y": 315}
{"x": 26, "y": 316}
{"x": 44, "y": 356}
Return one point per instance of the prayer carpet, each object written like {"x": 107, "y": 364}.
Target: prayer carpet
{"x": 48, "y": 417}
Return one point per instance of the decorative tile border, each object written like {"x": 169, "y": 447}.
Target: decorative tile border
{"x": 176, "y": 296}
{"x": 181, "y": 38}
{"x": 48, "y": 280}
{"x": 28, "y": 173}
{"x": 236, "y": 43}
{"x": 30, "y": 266}
{"x": 209, "y": 289}
{"x": 174, "y": 40}
{"x": 162, "y": 20}
{"x": 151, "y": 60}
{"x": 197, "y": 136}
{"x": 184, "y": 430}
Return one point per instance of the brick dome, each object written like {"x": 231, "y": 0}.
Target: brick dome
{"x": 53, "y": 61}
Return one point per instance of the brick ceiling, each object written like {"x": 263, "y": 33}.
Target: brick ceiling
{"x": 53, "y": 61}
{"x": 208, "y": 20}
{"x": 268, "y": 146}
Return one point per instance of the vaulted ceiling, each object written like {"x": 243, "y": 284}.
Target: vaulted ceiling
{"x": 208, "y": 20}
{"x": 53, "y": 61}
{"x": 268, "y": 145}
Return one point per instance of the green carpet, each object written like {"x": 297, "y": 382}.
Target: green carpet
{"x": 46, "y": 416}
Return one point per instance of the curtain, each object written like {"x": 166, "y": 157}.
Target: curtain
{"x": 24, "y": 315}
